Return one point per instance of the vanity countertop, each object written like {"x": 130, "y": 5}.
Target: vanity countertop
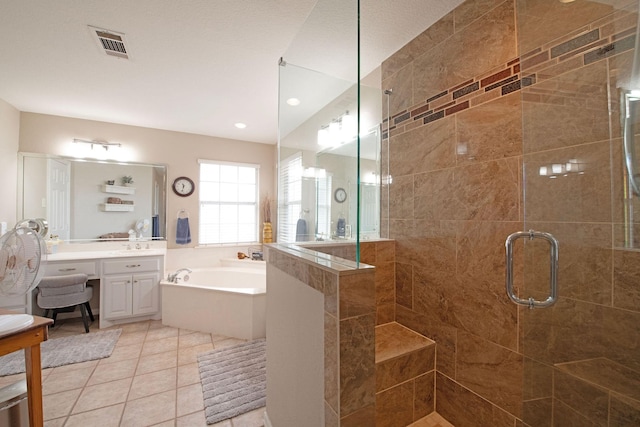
{"x": 119, "y": 253}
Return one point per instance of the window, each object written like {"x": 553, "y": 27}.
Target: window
{"x": 323, "y": 191}
{"x": 228, "y": 202}
{"x": 290, "y": 197}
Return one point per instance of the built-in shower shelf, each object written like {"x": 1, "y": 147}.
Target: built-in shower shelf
{"x": 606, "y": 374}
{"x": 115, "y": 207}
{"x": 117, "y": 189}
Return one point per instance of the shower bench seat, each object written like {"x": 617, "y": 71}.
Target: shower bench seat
{"x": 405, "y": 375}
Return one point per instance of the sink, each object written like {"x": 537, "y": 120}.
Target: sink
{"x": 136, "y": 252}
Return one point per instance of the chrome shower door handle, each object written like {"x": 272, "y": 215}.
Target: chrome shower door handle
{"x": 553, "y": 269}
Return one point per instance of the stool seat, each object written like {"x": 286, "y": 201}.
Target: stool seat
{"x": 63, "y": 294}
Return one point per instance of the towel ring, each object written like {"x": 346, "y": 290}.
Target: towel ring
{"x": 183, "y": 211}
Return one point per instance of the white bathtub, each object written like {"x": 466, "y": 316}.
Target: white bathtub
{"x": 227, "y": 301}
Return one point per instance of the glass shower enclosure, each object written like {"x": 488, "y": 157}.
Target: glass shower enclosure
{"x": 329, "y": 135}
{"x": 577, "y": 191}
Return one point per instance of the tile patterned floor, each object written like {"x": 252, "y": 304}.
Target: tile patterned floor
{"x": 151, "y": 379}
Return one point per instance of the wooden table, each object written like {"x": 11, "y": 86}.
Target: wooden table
{"x": 29, "y": 339}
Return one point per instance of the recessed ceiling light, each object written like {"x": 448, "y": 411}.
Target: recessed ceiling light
{"x": 293, "y": 101}
{"x": 240, "y": 125}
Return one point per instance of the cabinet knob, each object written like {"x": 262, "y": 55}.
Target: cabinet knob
{"x": 66, "y": 269}
{"x": 133, "y": 265}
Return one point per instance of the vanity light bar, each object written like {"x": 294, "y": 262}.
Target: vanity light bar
{"x": 103, "y": 144}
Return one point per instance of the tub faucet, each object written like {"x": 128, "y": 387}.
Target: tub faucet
{"x": 255, "y": 254}
{"x": 173, "y": 278}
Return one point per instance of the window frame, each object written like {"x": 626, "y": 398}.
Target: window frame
{"x": 289, "y": 196}
{"x": 255, "y": 203}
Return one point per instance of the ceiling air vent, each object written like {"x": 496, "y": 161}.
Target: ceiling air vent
{"x": 111, "y": 42}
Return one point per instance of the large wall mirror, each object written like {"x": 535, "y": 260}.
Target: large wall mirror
{"x": 88, "y": 200}
{"x": 318, "y": 160}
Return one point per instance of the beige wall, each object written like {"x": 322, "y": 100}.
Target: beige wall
{"x": 9, "y": 133}
{"x": 41, "y": 133}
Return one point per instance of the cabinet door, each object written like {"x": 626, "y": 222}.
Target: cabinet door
{"x": 117, "y": 294}
{"x": 145, "y": 293}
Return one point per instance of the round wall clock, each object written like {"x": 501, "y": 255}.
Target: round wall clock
{"x": 340, "y": 195}
{"x": 183, "y": 186}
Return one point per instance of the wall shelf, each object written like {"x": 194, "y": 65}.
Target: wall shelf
{"x": 117, "y": 189}
{"x": 112, "y": 207}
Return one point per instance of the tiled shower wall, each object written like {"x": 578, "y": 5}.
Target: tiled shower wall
{"x": 481, "y": 96}
{"x": 381, "y": 255}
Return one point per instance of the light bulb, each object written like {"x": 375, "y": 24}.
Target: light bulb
{"x": 349, "y": 127}
{"x": 334, "y": 129}
{"x": 323, "y": 137}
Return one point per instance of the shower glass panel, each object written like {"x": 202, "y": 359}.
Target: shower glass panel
{"x": 329, "y": 135}
{"x": 581, "y": 355}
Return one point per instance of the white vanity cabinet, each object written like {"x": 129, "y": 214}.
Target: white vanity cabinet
{"x": 126, "y": 283}
{"x": 59, "y": 268}
{"x": 130, "y": 289}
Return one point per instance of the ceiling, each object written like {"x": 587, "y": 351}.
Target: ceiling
{"x": 196, "y": 66}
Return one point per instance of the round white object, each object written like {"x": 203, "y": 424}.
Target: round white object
{"x": 14, "y": 322}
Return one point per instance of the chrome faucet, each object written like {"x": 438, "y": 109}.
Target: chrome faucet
{"x": 255, "y": 254}
{"x": 173, "y": 278}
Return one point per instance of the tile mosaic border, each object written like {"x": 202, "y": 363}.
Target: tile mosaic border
{"x": 592, "y": 44}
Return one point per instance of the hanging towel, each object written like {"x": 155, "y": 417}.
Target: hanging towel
{"x": 155, "y": 226}
{"x": 183, "y": 233}
{"x": 301, "y": 230}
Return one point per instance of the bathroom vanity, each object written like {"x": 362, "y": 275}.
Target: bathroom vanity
{"x": 125, "y": 274}
{"x": 129, "y": 280}
{"x": 130, "y": 287}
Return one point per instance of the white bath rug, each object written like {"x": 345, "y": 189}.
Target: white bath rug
{"x": 234, "y": 380}
{"x": 65, "y": 351}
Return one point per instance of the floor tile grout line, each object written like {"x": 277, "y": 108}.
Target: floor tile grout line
{"x": 211, "y": 342}
{"x": 175, "y": 409}
{"x": 66, "y": 417}
{"x": 80, "y": 394}
{"x": 135, "y": 371}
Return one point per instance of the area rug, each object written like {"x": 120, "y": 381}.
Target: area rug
{"x": 65, "y": 351}
{"x": 234, "y": 380}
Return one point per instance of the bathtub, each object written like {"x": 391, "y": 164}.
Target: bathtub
{"x": 227, "y": 301}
